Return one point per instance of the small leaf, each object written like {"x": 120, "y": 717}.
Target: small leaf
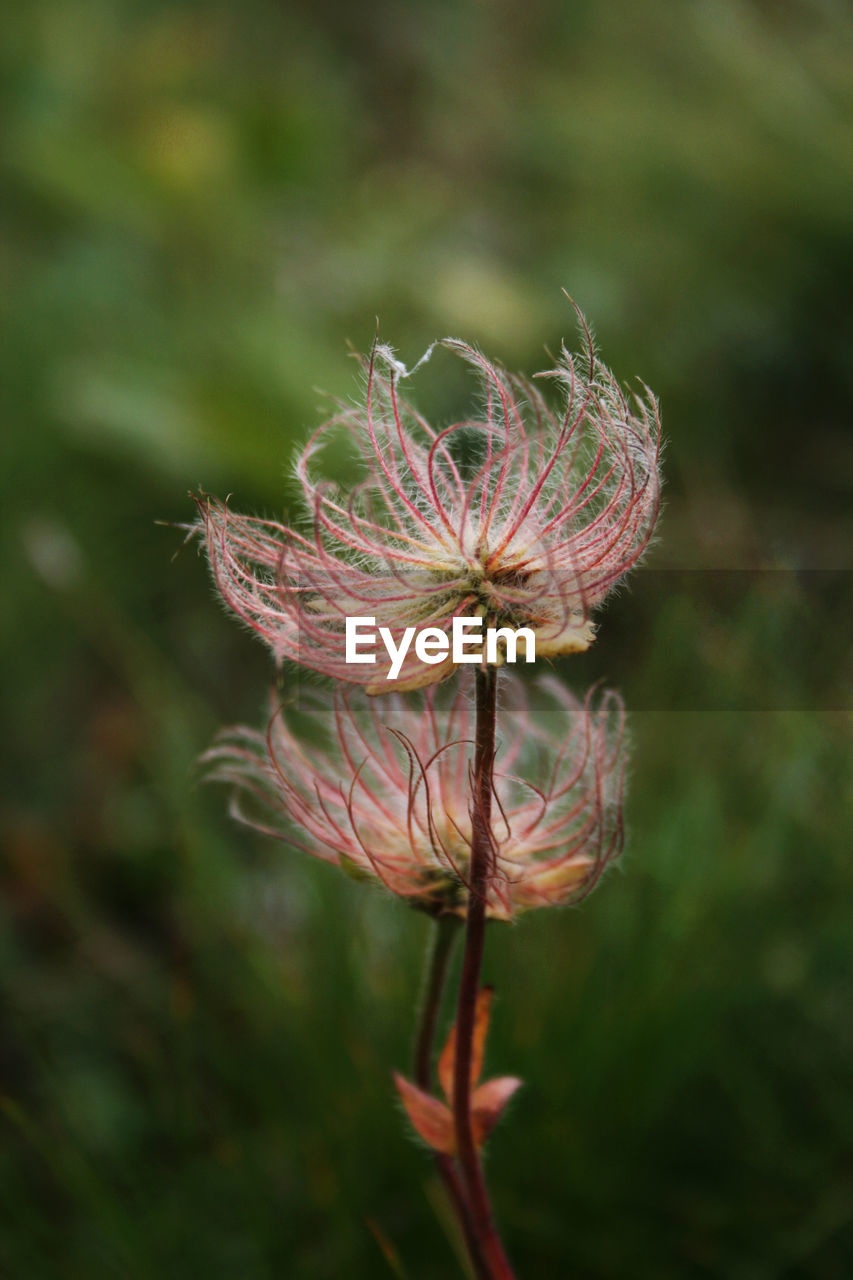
{"x": 488, "y": 1103}
{"x": 447, "y": 1061}
{"x": 430, "y": 1118}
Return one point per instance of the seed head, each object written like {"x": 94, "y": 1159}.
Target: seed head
{"x": 386, "y": 793}
{"x": 523, "y": 514}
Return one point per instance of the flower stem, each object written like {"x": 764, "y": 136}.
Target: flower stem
{"x": 482, "y": 1219}
{"x": 444, "y": 937}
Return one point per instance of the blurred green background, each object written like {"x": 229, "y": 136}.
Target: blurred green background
{"x": 202, "y": 204}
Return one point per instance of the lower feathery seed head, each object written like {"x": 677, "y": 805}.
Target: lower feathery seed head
{"x": 386, "y": 793}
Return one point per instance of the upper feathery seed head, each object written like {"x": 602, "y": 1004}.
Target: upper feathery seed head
{"x": 524, "y": 515}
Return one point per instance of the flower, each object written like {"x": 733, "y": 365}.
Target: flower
{"x": 523, "y": 515}
{"x": 388, "y": 796}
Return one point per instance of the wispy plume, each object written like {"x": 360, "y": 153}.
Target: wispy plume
{"x": 386, "y": 792}
{"x": 524, "y": 514}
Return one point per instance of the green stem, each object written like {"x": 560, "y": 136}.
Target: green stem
{"x": 444, "y": 936}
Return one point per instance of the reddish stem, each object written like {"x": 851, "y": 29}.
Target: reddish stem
{"x": 480, "y": 1209}
{"x": 446, "y": 929}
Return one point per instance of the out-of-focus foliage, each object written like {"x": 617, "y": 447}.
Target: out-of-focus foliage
{"x": 202, "y": 204}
